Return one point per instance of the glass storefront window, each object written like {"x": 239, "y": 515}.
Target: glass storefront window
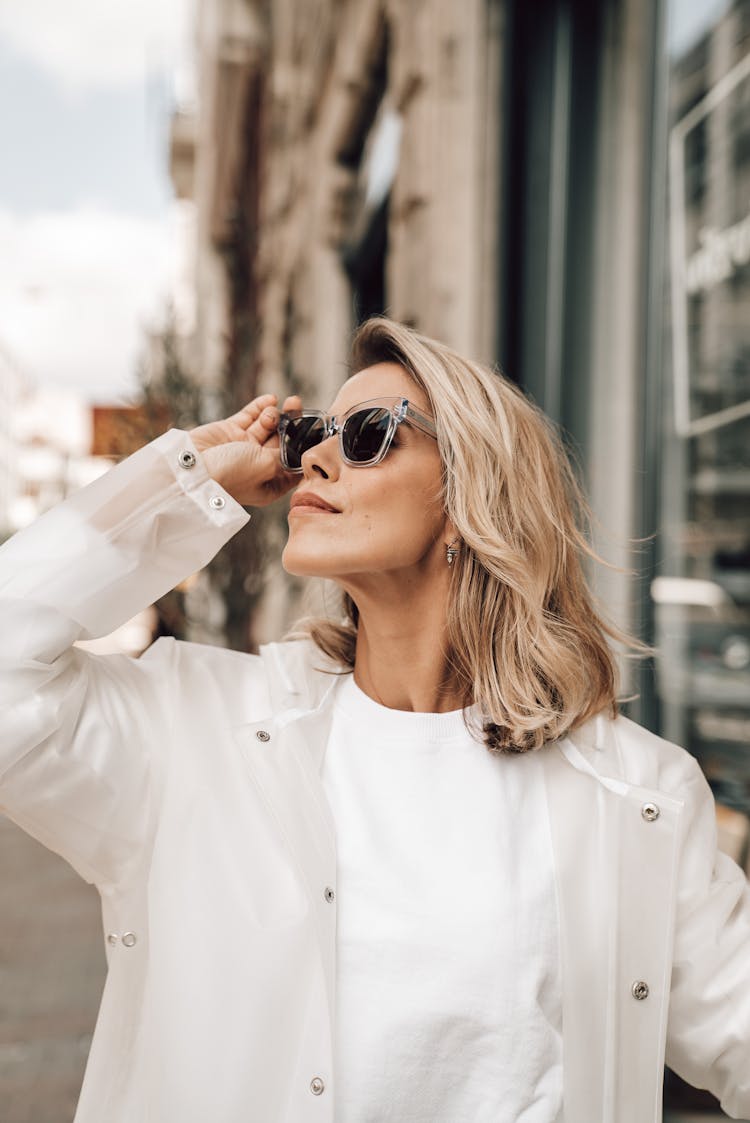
{"x": 702, "y": 597}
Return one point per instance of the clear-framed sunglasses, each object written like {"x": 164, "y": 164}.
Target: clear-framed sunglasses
{"x": 365, "y": 431}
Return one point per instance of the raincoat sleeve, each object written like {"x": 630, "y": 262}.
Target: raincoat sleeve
{"x": 82, "y": 735}
{"x": 708, "y": 1032}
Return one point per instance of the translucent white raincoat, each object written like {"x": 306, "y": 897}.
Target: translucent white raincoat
{"x": 185, "y": 785}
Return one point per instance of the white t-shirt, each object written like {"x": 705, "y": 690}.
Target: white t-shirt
{"x": 448, "y": 1005}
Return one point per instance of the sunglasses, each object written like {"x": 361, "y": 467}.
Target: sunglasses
{"x": 365, "y": 431}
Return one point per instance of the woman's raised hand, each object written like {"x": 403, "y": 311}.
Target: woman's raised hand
{"x": 242, "y": 452}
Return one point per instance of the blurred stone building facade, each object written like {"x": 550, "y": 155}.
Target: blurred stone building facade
{"x": 343, "y": 159}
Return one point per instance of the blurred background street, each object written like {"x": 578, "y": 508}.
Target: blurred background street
{"x": 200, "y": 199}
{"x": 51, "y": 976}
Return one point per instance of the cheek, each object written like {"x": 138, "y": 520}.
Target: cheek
{"x": 402, "y": 509}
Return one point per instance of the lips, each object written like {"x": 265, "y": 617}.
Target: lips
{"x": 309, "y": 499}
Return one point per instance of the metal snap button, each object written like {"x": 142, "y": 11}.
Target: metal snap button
{"x": 217, "y": 502}
{"x": 186, "y": 459}
{"x": 316, "y": 1085}
{"x": 639, "y": 990}
{"x": 129, "y": 939}
{"x": 112, "y": 938}
{"x": 263, "y": 735}
{"x": 329, "y": 893}
{"x": 650, "y": 811}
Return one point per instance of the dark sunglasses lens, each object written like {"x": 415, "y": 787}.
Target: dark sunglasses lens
{"x": 300, "y": 434}
{"x": 364, "y": 433}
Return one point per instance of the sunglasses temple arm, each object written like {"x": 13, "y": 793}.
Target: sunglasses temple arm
{"x": 421, "y": 421}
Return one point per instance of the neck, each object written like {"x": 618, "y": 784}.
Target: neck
{"x": 400, "y": 655}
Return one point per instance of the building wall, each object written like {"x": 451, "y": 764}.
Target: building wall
{"x": 45, "y": 447}
{"x": 329, "y": 72}
{"x": 614, "y": 441}
{"x": 441, "y": 63}
{"x": 13, "y": 386}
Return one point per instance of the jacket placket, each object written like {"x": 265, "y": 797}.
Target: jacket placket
{"x": 285, "y": 772}
{"x": 615, "y": 870}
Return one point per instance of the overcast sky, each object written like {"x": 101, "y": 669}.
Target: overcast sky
{"x": 89, "y": 237}
{"x": 89, "y": 234}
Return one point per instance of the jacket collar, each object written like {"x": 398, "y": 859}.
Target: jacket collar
{"x": 302, "y": 680}
{"x": 592, "y": 748}
{"x": 299, "y": 675}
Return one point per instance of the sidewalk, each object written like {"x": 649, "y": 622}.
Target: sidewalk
{"x": 52, "y": 971}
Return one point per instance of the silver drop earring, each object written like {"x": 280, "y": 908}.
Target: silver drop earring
{"x": 451, "y": 552}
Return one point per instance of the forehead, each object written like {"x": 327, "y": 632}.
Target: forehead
{"x": 382, "y": 380}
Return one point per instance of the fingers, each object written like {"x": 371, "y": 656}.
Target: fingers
{"x": 264, "y": 425}
{"x": 260, "y": 417}
{"x": 252, "y": 410}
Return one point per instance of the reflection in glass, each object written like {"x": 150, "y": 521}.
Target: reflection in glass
{"x": 703, "y": 619}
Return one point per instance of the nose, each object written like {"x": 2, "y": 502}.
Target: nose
{"x": 322, "y": 459}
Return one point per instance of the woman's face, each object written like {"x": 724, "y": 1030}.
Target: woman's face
{"x": 389, "y": 517}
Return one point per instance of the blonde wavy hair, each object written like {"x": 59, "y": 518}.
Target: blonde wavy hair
{"x": 523, "y": 638}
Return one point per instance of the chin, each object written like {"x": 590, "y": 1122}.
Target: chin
{"x": 300, "y": 563}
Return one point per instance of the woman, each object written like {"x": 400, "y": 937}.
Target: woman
{"x": 411, "y": 865}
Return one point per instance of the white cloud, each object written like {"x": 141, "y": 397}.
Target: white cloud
{"x": 94, "y": 43}
{"x": 77, "y": 289}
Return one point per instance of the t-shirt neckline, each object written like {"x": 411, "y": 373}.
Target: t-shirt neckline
{"x": 382, "y": 720}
